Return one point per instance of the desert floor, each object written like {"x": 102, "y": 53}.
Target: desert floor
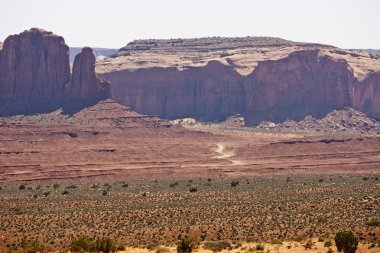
{"x": 144, "y": 186}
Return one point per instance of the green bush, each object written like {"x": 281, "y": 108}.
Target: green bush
{"x": 31, "y": 246}
{"x": 234, "y": 183}
{"x": 259, "y": 247}
{"x": 85, "y": 244}
{"x": 373, "y": 223}
{"x": 346, "y": 241}
{"x": 185, "y": 245}
{"x": 217, "y": 246}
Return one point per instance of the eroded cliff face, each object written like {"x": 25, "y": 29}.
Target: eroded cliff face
{"x": 367, "y": 95}
{"x": 210, "y": 80}
{"x": 210, "y": 92}
{"x": 304, "y": 83}
{"x": 34, "y": 64}
{"x": 85, "y": 84}
{"x": 35, "y": 74}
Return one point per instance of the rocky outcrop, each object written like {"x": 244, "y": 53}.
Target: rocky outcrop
{"x": 210, "y": 92}
{"x": 347, "y": 121}
{"x": 35, "y": 74}
{"x": 367, "y": 95}
{"x": 304, "y": 83}
{"x": 85, "y": 84}
{"x": 34, "y": 64}
{"x": 261, "y": 78}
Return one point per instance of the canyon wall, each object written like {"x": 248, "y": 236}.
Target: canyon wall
{"x": 306, "y": 82}
{"x": 35, "y": 74}
{"x": 211, "y": 92}
{"x": 367, "y": 95}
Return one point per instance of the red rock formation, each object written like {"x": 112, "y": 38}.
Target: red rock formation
{"x": 210, "y": 92}
{"x": 34, "y": 64}
{"x": 304, "y": 83}
{"x": 35, "y": 74}
{"x": 366, "y": 95}
{"x": 85, "y": 84}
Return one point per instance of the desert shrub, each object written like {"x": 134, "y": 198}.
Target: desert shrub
{"x": 94, "y": 186}
{"x": 31, "y": 246}
{"x": 85, "y": 244}
{"x": 346, "y": 241}
{"x": 65, "y": 192}
{"x": 162, "y": 250}
{"x": 308, "y": 244}
{"x": 46, "y": 194}
{"x": 365, "y": 178}
{"x": 193, "y": 189}
{"x": 185, "y": 245}
{"x": 173, "y": 184}
{"x": 73, "y": 186}
{"x": 17, "y": 210}
{"x": 104, "y": 193}
{"x": 259, "y": 247}
{"x": 327, "y": 243}
{"x": 82, "y": 244}
{"x": 105, "y": 245}
{"x": 234, "y": 183}
{"x": 330, "y": 250}
{"x": 276, "y": 241}
{"x": 120, "y": 247}
{"x": 125, "y": 185}
{"x": 373, "y": 223}
{"x": 56, "y": 186}
{"x": 151, "y": 245}
{"x": 217, "y": 246}
{"x": 22, "y": 187}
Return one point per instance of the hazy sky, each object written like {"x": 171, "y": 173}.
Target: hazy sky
{"x": 114, "y": 23}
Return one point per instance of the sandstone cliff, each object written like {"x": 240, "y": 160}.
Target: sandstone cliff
{"x": 304, "y": 83}
{"x": 367, "y": 95}
{"x": 35, "y": 74}
{"x": 210, "y": 92}
{"x": 260, "y": 78}
{"x": 85, "y": 84}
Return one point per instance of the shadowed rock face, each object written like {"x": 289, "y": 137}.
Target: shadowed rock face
{"x": 211, "y": 92}
{"x": 367, "y": 95}
{"x": 35, "y": 74}
{"x": 85, "y": 84}
{"x": 304, "y": 83}
{"x": 34, "y": 64}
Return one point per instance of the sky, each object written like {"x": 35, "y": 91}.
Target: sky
{"x": 114, "y": 23}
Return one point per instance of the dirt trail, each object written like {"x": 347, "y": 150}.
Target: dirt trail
{"x": 225, "y": 154}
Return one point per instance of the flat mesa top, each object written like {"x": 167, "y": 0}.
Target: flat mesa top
{"x": 242, "y": 53}
{"x": 210, "y": 43}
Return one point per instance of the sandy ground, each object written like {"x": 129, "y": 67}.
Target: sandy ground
{"x": 285, "y": 247}
{"x": 30, "y": 152}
